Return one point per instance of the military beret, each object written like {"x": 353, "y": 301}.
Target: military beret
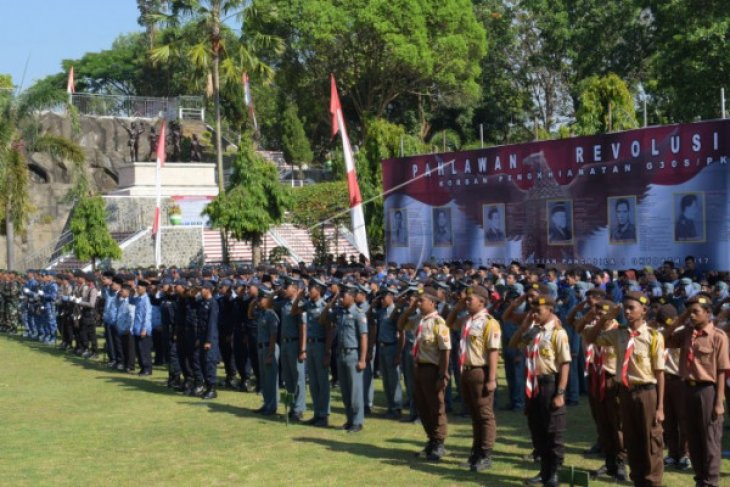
{"x": 143, "y": 283}
{"x": 208, "y": 284}
{"x": 637, "y": 296}
{"x": 266, "y": 292}
{"x": 480, "y": 291}
{"x": 666, "y": 314}
{"x": 108, "y": 274}
{"x": 701, "y": 299}
{"x": 546, "y": 300}
{"x": 226, "y": 282}
{"x": 117, "y": 280}
{"x": 166, "y": 281}
{"x": 606, "y": 305}
{"x": 430, "y": 293}
{"x": 128, "y": 287}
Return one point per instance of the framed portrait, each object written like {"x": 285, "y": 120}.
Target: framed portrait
{"x": 560, "y": 222}
{"x": 399, "y": 227}
{"x": 622, "y": 220}
{"x": 493, "y": 222}
{"x": 441, "y": 227}
{"x": 689, "y": 217}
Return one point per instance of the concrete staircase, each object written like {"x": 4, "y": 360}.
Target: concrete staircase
{"x": 65, "y": 262}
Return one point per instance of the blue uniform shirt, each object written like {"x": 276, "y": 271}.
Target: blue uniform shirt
{"x": 350, "y": 323}
{"x": 267, "y": 324}
{"x": 110, "y": 306}
{"x": 313, "y": 310}
{"x": 125, "y": 317}
{"x": 289, "y": 323}
{"x": 142, "y": 315}
{"x": 387, "y": 325}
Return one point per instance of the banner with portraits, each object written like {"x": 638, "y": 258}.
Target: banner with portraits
{"x": 619, "y": 200}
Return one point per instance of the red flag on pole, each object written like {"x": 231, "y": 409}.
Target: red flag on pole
{"x": 70, "y": 86}
{"x": 356, "y": 213}
{"x": 160, "y": 163}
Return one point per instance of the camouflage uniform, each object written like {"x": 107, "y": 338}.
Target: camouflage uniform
{"x": 12, "y": 292}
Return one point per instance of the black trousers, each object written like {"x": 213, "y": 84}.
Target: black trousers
{"x": 161, "y": 345}
{"x": 547, "y": 426}
{"x": 128, "y": 350}
{"x": 111, "y": 343}
{"x": 253, "y": 357}
{"x": 240, "y": 352}
{"x": 143, "y": 346}
{"x": 225, "y": 336}
{"x": 87, "y": 332}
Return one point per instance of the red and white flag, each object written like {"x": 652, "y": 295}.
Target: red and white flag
{"x": 70, "y": 86}
{"x": 356, "y": 213}
{"x": 160, "y": 164}
{"x": 248, "y": 100}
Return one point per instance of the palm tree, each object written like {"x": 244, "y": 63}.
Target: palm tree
{"x": 21, "y": 134}
{"x": 213, "y": 55}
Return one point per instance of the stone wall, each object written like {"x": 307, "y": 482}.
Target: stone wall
{"x": 181, "y": 246}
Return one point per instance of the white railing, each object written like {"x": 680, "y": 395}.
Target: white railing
{"x": 281, "y": 241}
{"x": 139, "y": 106}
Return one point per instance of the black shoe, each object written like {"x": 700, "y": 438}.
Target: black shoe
{"x": 268, "y": 412}
{"x": 437, "y": 452}
{"x": 144, "y": 373}
{"x": 368, "y": 411}
{"x": 295, "y": 417}
{"x": 322, "y": 423}
{"x": 469, "y": 463}
{"x": 346, "y": 426}
{"x": 111, "y": 364}
{"x": 356, "y": 428}
{"x": 683, "y": 464}
{"x": 620, "y": 472}
{"x": 311, "y": 421}
{"x": 198, "y": 391}
{"x": 228, "y": 384}
{"x": 531, "y": 457}
{"x": 259, "y": 410}
{"x": 210, "y": 393}
{"x": 393, "y": 414}
{"x": 552, "y": 481}
{"x": 93, "y": 356}
{"x": 130, "y": 371}
{"x": 604, "y": 470}
{"x": 426, "y": 450}
{"x": 242, "y": 387}
{"x": 482, "y": 463}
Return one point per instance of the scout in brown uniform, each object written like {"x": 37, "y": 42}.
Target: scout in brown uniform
{"x": 593, "y": 298}
{"x": 675, "y": 430}
{"x": 703, "y": 362}
{"x": 641, "y": 351}
{"x": 431, "y": 357}
{"x": 548, "y": 362}
{"x": 478, "y": 354}
{"x": 604, "y": 391}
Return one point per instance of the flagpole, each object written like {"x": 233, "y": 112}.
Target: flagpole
{"x": 157, "y": 224}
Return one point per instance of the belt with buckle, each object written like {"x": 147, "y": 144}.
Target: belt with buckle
{"x": 698, "y": 383}
{"x": 548, "y": 378}
{"x": 349, "y": 349}
{"x": 640, "y": 387}
{"x": 386, "y": 344}
{"x": 290, "y": 339}
{"x": 467, "y": 368}
{"x": 315, "y": 340}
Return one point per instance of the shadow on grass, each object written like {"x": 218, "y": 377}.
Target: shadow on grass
{"x": 405, "y": 458}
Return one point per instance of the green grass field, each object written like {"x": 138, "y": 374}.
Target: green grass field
{"x": 66, "y": 421}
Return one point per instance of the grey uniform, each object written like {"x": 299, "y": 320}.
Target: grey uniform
{"x": 350, "y": 324}
{"x": 319, "y": 384}
{"x": 291, "y": 368}
{"x": 267, "y": 324}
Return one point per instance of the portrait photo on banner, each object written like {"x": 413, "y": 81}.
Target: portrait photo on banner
{"x": 622, "y": 220}
{"x": 441, "y": 227}
{"x": 560, "y": 222}
{"x": 689, "y": 217}
{"x": 399, "y": 227}
{"x": 493, "y": 223}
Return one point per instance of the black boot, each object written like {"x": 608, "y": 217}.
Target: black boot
{"x": 483, "y": 461}
{"x": 210, "y": 393}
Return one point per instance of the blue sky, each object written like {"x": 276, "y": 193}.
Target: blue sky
{"x": 52, "y": 30}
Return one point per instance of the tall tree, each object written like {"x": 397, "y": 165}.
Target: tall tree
{"x": 254, "y": 202}
{"x": 91, "y": 238}
{"x": 691, "y": 62}
{"x": 606, "y": 105}
{"x": 381, "y": 51}
{"x": 20, "y": 135}
{"x": 294, "y": 142}
{"x": 211, "y": 53}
